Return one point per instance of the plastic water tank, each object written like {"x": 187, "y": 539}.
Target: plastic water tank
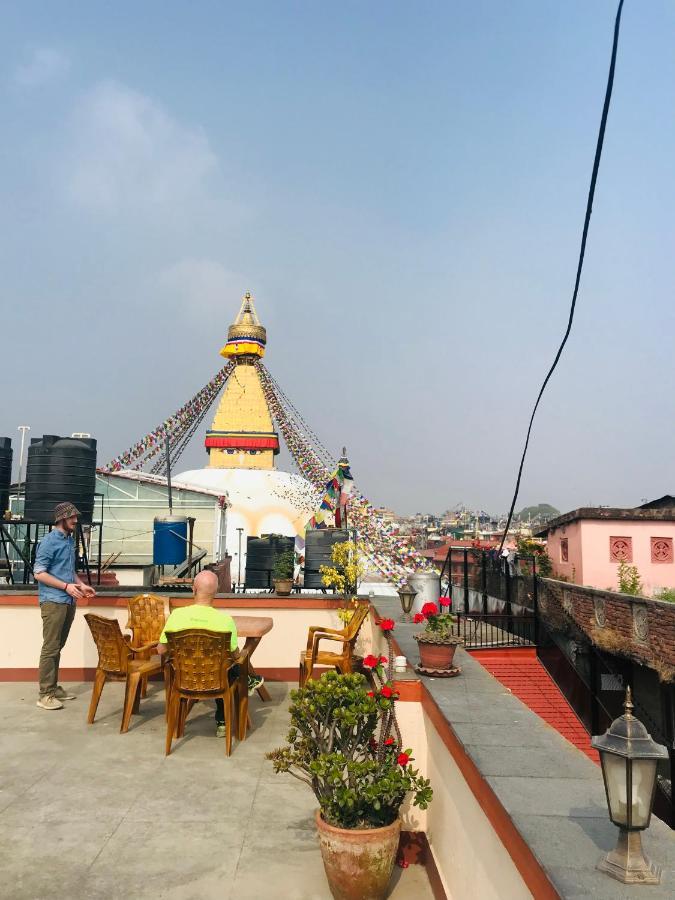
{"x": 261, "y": 555}
{"x": 5, "y": 472}
{"x": 169, "y": 540}
{"x": 428, "y": 587}
{"x": 318, "y": 549}
{"x": 60, "y": 469}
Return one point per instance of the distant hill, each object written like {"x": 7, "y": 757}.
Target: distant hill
{"x": 540, "y": 511}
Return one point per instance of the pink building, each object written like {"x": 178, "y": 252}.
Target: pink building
{"x": 587, "y": 545}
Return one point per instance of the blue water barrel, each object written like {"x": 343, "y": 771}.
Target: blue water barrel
{"x": 169, "y": 540}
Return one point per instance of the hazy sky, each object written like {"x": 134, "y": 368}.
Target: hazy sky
{"x": 400, "y": 185}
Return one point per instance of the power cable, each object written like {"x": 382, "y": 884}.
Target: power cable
{"x": 582, "y": 251}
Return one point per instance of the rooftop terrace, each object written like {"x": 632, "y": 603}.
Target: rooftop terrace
{"x": 87, "y": 812}
{"x": 91, "y": 814}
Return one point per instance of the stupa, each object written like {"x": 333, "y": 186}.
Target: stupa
{"x": 242, "y": 445}
{"x": 242, "y": 435}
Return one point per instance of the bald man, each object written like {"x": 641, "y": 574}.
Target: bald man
{"x": 201, "y": 614}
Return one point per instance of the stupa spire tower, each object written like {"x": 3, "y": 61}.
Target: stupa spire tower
{"x": 245, "y": 336}
{"x": 242, "y": 435}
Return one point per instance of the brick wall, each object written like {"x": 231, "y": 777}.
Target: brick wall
{"x": 639, "y": 628}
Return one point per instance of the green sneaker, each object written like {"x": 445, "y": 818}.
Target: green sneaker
{"x": 221, "y": 730}
{"x": 254, "y": 682}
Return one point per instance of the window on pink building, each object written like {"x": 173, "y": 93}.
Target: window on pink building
{"x": 662, "y": 549}
{"x": 621, "y": 549}
{"x": 564, "y": 550}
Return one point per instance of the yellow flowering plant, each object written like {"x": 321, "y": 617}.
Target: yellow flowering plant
{"x": 345, "y": 575}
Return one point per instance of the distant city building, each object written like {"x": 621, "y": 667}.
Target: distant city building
{"x": 587, "y": 545}
{"x": 387, "y": 514}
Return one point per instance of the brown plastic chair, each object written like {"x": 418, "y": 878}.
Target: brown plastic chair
{"x": 117, "y": 662}
{"x": 346, "y": 661}
{"x": 146, "y": 622}
{"x": 147, "y": 618}
{"x": 200, "y": 663}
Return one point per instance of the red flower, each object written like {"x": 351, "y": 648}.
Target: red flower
{"x": 403, "y": 759}
{"x": 383, "y": 659}
{"x": 370, "y": 661}
{"x": 429, "y": 609}
{"x": 370, "y": 694}
{"x": 387, "y": 624}
{"x": 445, "y": 601}
{"x": 417, "y": 618}
{"x": 389, "y": 742}
{"x": 387, "y": 692}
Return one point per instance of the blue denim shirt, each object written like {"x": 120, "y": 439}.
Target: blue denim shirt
{"x": 56, "y": 556}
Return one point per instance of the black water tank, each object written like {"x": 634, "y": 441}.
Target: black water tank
{"x": 261, "y": 555}
{"x": 318, "y": 548}
{"x": 60, "y": 469}
{"x": 5, "y": 473}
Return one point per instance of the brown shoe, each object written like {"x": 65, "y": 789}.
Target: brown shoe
{"x": 49, "y": 701}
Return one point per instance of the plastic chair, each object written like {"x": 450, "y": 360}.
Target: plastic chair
{"x": 147, "y": 618}
{"x": 117, "y": 662}
{"x": 200, "y": 663}
{"x": 346, "y": 661}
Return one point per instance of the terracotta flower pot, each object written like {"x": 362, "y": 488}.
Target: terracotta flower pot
{"x": 283, "y": 586}
{"x": 358, "y": 861}
{"x": 436, "y": 654}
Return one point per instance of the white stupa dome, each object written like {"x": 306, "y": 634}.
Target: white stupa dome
{"x": 260, "y": 501}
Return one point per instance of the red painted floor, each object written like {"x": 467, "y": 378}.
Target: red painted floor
{"x": 521, "y": 672}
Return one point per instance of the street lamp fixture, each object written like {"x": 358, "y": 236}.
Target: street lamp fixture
{"x": 406, "y": 594}
{"x": 629, "y": 760}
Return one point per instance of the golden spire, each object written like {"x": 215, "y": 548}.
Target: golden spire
{"x": 246, "y": 337}
{"x": 242, "y": 435}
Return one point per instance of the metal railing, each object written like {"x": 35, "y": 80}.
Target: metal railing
{"x": 480, "y": 632}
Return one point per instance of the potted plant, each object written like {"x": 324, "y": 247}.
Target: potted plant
{"x": 437, "y": 643}
{"x": 345, "y": 575}
{"x": 282, "y": 573}
{"x": 345, "y": 744}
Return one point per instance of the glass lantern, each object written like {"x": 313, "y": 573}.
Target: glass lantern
{"x": 406, "y": 594}
{"x": 629, "y": 759}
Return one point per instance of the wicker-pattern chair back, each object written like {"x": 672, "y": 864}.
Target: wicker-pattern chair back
{"x": 199, "y": 659}
{"x": 146, "y": 618}
{"x": 113, "y": 651}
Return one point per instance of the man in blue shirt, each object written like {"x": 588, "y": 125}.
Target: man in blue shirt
{"x": 59, "y": 589}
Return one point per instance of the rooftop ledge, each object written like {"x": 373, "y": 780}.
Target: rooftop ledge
{"x": 549, "y": 792}
{"x": 518, "y": 812}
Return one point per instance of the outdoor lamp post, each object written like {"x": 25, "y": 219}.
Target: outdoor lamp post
{"x": 629, "y": 760}
{"x": 407, "y": 594}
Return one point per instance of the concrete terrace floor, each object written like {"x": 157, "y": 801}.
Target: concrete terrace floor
{"x": 90, "y": 814}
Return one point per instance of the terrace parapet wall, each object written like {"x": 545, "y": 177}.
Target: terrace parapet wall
{"x": 636, "y": 627}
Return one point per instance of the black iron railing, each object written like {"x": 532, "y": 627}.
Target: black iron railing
{"x": 480, "y": 632}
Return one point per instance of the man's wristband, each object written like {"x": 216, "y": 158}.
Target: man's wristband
{"x": 65, "y": 586}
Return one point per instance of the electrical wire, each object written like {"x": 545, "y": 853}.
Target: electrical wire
{"x": 582, "y": 252}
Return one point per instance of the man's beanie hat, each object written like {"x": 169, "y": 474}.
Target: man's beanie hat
{"x": 65, "y": 511}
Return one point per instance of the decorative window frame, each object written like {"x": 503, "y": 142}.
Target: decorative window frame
{"x": 620, "y": 549}
{"x": 564, "y": 550}
{"x": 657, "y": 546}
